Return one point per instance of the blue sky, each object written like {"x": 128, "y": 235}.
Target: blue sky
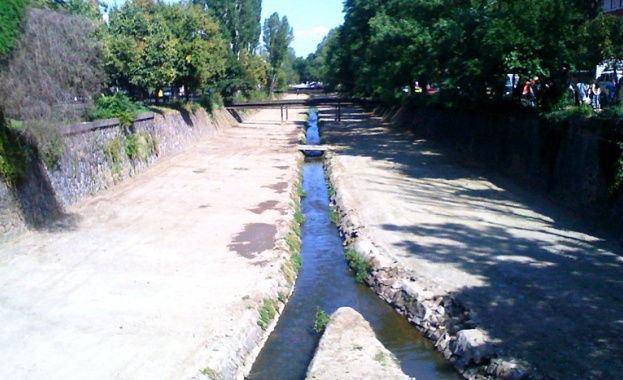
{"x": 310, "y": 19}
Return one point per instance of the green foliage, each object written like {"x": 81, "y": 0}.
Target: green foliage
{"x": 11, "y": 16}
{"x": 211, "y": 101}
{"x": 467, "y": 48}
{"x": 211, "y": 374}
{"x": 117, "y": 106}
{"x": 282, "y": 297}
{"x": 334, "y": 216}
{"x": 358, "y": 264}
{"x": 15, "y": 154}
{"x": 51, "y": 147}
{"x": 200, "y": 57}
{"x": 267, "y": 313}
{"x": 277, "y": 38}
{"x": 114, "y": 150}
{"x": 321, "y": 321}
{"x": 142, "y": 49}
{"x": 239, "y": 20}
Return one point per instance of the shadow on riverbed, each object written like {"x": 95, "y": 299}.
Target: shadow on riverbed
{"x": 551, "y": 282}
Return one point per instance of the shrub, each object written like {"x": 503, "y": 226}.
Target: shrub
{"x": 321, "y": 321}
{"x": 358, "y": 264}
{"x": 119, "y": 106}
{"x": 15, "y": 154}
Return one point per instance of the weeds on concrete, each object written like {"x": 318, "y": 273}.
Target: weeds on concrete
{"x": 382, "y": 358}
{"x": 334, "y": 216}
{"x": 267, "y": 313}
{"x": 281, "y": 297}
{"x": 358, "y": 264}
{"x": 211, "y": 374}
{"x": 321, "y": 321}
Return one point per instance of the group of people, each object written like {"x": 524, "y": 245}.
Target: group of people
{"x": 592, "y": 94}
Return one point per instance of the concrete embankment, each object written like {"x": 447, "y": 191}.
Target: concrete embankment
{"x": 349, "y": 350}
{"x": 178, "y": 272}
{"x": 505, "y": 283}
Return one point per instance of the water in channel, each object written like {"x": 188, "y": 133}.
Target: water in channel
{"x": 325, "y": 282}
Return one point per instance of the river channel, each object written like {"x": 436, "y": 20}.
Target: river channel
{"x": 325, "y": 282}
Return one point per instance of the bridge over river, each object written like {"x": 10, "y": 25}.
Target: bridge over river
{"x": 336, "y": 102}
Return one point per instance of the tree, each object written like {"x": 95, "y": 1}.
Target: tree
{"x": 239, "y": 20}
{"x": 277, "y": 38}
{"x": 201, "y": 50}
{"x": 142, "y": 49}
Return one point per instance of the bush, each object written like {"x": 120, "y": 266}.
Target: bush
{"x": 321, "y": 321}
{"x": 119, "y": 106}
{"x": 358, "y": 264}
{"x": 15, "y": 154}
{"x": 211, "y": 101}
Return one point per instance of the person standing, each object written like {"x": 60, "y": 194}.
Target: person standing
{"x": 596, "y": 90}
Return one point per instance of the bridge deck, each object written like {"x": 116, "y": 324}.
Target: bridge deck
{"x": 309, "y": 102}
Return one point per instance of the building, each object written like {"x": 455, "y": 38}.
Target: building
{"x": 614, "y": 7}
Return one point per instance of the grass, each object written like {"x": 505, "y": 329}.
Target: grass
{"x": 382, "y": 358}
{"x": 358, "y": 264}
{"x": 281, "y": 297}
{"x": 334, "y": 216}
{"x": 211, "y": 373}
{"x": 267, "y": 313}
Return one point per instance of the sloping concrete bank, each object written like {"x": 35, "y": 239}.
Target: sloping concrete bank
{"x": 441, "y": 318}
{"x": 177, "y": 273}
{"x": 232, "y": 356}
{"x": 578, "y": 162}
{"x": 96, "y": 156}
{"x": 349, "y": 350}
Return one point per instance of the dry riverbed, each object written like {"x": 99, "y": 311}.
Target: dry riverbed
{"x": 162, "y": 276}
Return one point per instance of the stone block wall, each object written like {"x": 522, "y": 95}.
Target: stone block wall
{"x": 87, "y": 167}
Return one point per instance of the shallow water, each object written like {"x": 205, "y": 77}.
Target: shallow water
{"x": 326, "y": 282}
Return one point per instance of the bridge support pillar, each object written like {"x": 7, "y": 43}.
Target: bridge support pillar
{"x": 338, "y": 112}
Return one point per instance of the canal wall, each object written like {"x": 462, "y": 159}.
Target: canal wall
{"x": 442, "y": 318}
{"x": 95, "y": 156}
{"x": 578, "y": 162}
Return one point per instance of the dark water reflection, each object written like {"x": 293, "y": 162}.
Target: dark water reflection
{"x": 325, "y": 282}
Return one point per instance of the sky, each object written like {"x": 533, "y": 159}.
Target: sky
{"x": 310, "y": 20}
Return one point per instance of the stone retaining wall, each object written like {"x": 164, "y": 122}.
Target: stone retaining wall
{"x": 440, "y": 317}
{"x": 88, "y": 165}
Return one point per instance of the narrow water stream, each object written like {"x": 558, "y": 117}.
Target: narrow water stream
{"x": 326, "y": 282}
